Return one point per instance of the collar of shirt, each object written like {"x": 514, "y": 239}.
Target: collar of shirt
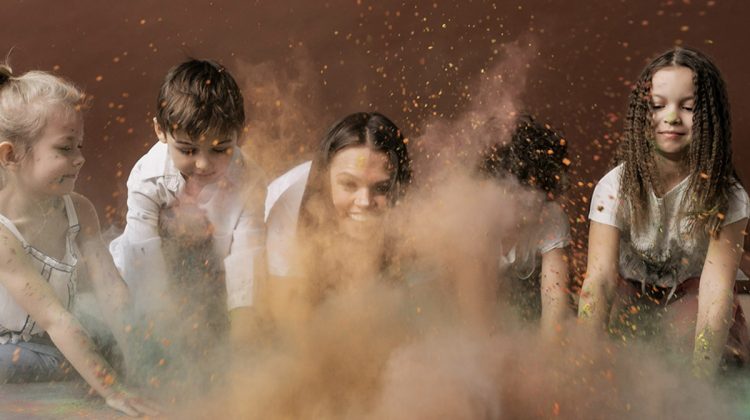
{"x": 159, "y": 164}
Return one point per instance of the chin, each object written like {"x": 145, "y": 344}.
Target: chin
{"x": 360, "y": 232}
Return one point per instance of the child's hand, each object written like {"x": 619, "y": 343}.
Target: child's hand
{"x": 129, "y": 403}
{"x": 186, "y": 221}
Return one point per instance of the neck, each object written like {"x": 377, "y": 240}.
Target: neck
{"x": 20, "y": 206}
{"x": 670, "y": 171}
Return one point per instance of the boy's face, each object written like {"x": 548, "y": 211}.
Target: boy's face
{"x": 202, "y": 161}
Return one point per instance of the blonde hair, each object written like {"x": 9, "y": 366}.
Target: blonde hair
{"x": 26, "y": 103}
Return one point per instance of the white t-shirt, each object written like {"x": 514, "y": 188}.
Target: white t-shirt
{"x": 232, "y": 205}
{"x": 663, "y": 253}
{"x": 283, "y": 200}
{"x": 552, "y": 232}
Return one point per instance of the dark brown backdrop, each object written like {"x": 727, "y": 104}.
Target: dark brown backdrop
{"x": 304, "y": 63}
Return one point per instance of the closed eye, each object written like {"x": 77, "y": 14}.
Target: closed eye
{"x": 382, "y": 188}
{"x": 348, "y": 185}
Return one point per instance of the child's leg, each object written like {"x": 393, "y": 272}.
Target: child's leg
{"x": 31, "y": 362}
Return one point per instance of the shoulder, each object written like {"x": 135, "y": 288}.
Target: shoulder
{"x": 8, "y": 240}
{"x": 291, "y": 179}
{"x": 738, "y": 207}
{"x": 738, "y": 193}
{"x": 608, "y": 187}
{"x": 86, "y": 213}
{"x": 554, "y": 211}
{"x": 606, "y": 203}
{"x": 554, "y": 229}
{"x": 155, "y": 163}
{"x": 612, "y": 178}
{"x": 10, "y": 248}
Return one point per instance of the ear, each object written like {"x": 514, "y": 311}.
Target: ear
{"x": 8, "y": 156}
{"x": 160, "y": 134}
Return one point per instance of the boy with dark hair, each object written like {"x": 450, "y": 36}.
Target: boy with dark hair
{"x": 195, "y": 211}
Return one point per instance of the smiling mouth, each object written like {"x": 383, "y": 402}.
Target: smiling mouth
{"x": 65, "y": 177}
{"x": 204, "y": 176}
{"x": 672, "y": 134}
{"x": 363, "y": 218}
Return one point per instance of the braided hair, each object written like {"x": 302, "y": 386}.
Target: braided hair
{"x": 709, "y": 154}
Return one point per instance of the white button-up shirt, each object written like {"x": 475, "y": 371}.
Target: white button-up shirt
{"x": 233, "y": 205}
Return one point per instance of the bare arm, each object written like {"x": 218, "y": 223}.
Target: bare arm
{"x": 715, "y": 297}
{"x": 111, "y": 291}
{"x": 555, "y": 286}
{"x": 600, "y": 285}
{"x": 32, "y": 293}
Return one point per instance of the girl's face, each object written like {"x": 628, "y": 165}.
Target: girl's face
{"x": 360, "y": 181}
{"x": 672, "y": 101}
{"x": 52, "y": 164}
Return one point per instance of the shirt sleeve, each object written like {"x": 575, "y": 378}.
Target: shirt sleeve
{"x": 555, "y": 229}
{"x": 606, "y": 201}
{"x": 739, "y": 206}
{"x": 137, "y": 253}
{"x": 245, "y": 262}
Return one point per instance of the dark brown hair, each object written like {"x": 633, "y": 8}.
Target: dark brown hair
{"x": 198, "y": 98}
{"x": 709, "y": 155}
{"x": 361, "y": 129}
{"x": 317, "y": 222}
{"x": 536, "y": 156}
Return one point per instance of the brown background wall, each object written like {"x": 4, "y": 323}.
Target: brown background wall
{"x": 304, "y": 63}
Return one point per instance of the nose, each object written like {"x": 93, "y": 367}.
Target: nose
{"x": 363, "y": 199}
{"x": 202, "y": 163}
{"x": 672, "y": 118}
{"x": 78, "y": 160}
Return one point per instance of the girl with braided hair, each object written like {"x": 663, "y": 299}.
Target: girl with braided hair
{"x": 667, "y": 222}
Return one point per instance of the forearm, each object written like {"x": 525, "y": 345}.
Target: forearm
{"x": 78, "y": 348}
{"x": 596, "y": 302}
{"x": 716, "y": 297}
{"x": 712, "y": 332}
{"x": 555, "y": 311}
{"x": 555, "y": 285}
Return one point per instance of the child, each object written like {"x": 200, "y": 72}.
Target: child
{"x": 194, "y": 187}
{"x": 667, "y": 222}
{"x": 48, "y": 234}
{"x": 536, "y": 263}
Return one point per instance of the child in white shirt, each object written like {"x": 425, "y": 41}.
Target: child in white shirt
{"x": 194, "y": 186}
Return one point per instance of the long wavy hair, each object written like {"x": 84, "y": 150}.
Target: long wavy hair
{"x": 709, "y": 155}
